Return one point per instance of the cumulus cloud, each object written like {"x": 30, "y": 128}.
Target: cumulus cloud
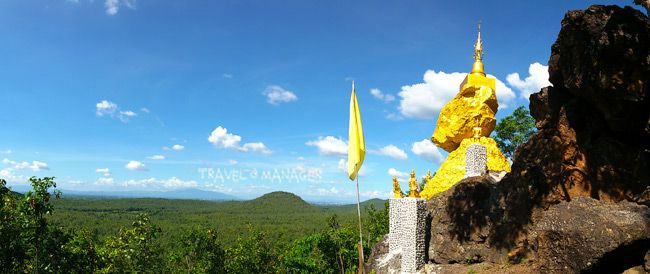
{"x": 537, "y": 78}
{"x": 105, "y": 181}
{"x": 9, "y": 176}
{"x": 391, "y": 151}
{"x": 427, "y": 150}
{"x": 113, "y": 6}
{"x": 221, "y": 138}
{"x": 34, "y": 165}
{"x": 256, "y": 147}
{"x": 276, "y": 95}
{"x": 156, "y": 157}
{"x": 104, "y": 171}
{"x": 178, "y": 147}
{"x": 330, "y": 145}
{"x": 110, "y": 109}
{"x": 150, "y": 183}
{"x": 402, "y": 176}
{"x": 105, "y": 107}
{"x": 386, "y": 98}
{"x": 425, "y": 100}
{"x": 136, "y": 165}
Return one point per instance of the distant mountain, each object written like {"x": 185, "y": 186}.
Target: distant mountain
{"x": 280, "y": 199}
{"x": 186, "y": 194}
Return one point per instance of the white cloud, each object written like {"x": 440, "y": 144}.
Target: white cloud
{"x": 338, "y": 192}
{"x": 394, "y": 116}
{"x": 427, "y": 150}
{"x": 392, "y": 151}
{"x": 276, "y": 95}
{"x": 156, "y": 157}
{"x": 136, "y": 165}
{"x": 256, "y": 147}
{"x": 232, "y": 162}
{"x": 220, "y": 188}
{"x": 104, "y": 181}
{"x": 105, "y": 107}
{"x": 110, "y": 109}
{"x": 104, "y": 171}
{"x": 11, "y": 177}
{"x": 34, "y": 165}
{"x": 175, "y": 183}
{"x": 113, "y": 6}
{"x": 226, "y": 75}
{"x": 145, "y": 110}
{"x": 330, "y": 145}
{"x": 537, "y": 79}
{"x": 425, "y": 100}
{"x": 220, "y": 138}
{"x": 386, "y": 98}
{"x": 402, "y": 176}
{"x": 178, "y": 147}
{"x": 8, "y": 151}
{"x": 128, "y": 113}
{"x": 150, "y": 183}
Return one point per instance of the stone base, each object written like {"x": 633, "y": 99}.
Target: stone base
{"x": 407, "y": 230}
{"x": 452, "y": 170}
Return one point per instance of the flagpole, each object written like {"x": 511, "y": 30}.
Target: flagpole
{"x": 361, "y": 257}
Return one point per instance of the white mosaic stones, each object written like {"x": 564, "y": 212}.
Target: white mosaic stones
{"x": 475, "y": 160}
{"x": 407, "y": 230}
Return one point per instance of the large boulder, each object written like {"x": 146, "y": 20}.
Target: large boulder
{"x": 594, "y": 131}
{"x": 593, "y": 236}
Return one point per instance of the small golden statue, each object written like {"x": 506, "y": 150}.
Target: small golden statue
{"x": 397, "y": 191}
{"x": 428, "y": 176}
{"x": 477, "y": 130}
{"x": 413, "y": 186}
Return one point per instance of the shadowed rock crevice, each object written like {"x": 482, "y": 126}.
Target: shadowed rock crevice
{"x": 622, "y": 258}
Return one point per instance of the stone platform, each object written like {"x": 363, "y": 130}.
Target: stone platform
{"x": 407, "y": 231}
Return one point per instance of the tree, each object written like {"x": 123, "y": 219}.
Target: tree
{"x": 514, "y": 130}
{"x": 133, "y": 250}
{"x": 199, "y": 252}
{"x": 253, "y": 254}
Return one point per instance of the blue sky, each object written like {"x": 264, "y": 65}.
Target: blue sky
{"x": 98, "y": 92}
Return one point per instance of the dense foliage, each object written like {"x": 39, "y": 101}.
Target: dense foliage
{"x": 514, "y": 130}
{"x": 35, "y": 239}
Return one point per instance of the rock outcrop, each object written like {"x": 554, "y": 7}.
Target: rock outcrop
{"x": 577, "y": 199}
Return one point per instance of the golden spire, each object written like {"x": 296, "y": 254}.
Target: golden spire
{"x": 477, "y": 68}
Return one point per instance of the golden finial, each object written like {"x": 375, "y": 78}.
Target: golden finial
{"x": 477, "y": 68}
{"x": 397, "y": 191}
{"x": 428, "y": 176}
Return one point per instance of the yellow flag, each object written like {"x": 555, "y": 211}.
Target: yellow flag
{"x": 356, "y": 144}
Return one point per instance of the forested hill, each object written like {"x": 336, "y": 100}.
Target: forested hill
{"x": 282, "y": 216}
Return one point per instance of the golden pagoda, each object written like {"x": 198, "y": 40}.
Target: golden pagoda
{"x": 467, "y": 119}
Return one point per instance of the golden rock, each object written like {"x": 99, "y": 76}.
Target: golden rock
{"x": 397, "y": 191}
{"x": 474, "y": 106}
{"x": 452, "y": 170}
{"x": 413, "y": 186}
